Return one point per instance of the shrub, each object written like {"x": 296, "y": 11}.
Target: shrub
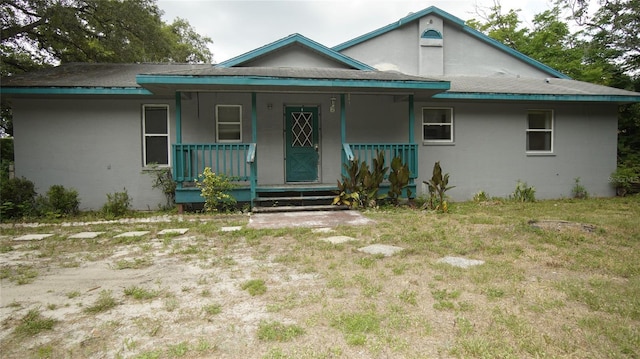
{"x": 360, "y": 186}
{"x": 398, "y": 180}
{"x": 480, "y": 196}
{"x": 215, "y": 190}
{"x": 163, "y": 179}
{"x": 578, "y": 190}
{"x": 117, "y": 204}
{"x": 523, "y": 193}
{"x": 18, "y": 198}
{"x": 59, "y": 202}
{"x": 623, "y": 179}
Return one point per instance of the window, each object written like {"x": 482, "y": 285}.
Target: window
{"x": 229, "y": 123}
{"x": 437, "y": 125}
{"x": 540, "y": 131}
{"x": 155, "y": 127}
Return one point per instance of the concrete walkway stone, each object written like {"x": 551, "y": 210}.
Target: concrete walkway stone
{"x": 310, "y": 219}
{"x": 132, "y": 234}
{"x": 33, "y": 237}
{"x": 179, "y": 231}
{"x": 383, "y": 249}
{"x": 339, "y": 239}
{"x": 460, "y": 262}
{"x": 230, "y": 229}
{"x": 85, "y": 235}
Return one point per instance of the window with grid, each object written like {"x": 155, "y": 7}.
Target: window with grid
{"x": 228, "y": 123}
{"x": 437, "y": 125}
{"x": 155, "y": 129}
{"x": 540, "y": 131}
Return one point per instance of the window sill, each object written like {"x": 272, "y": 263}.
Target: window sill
{"x": 149, "y": 168}
{"x": 541, "y": 154}
{"x": 435, "y": 143}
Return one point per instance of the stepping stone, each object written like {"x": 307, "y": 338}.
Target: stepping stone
{"x": 32, "y": 237}
{"x": 323, "y": 230}
{"x": 132, "y": 234}
{"x": 383, "y": 249}
{"x": 460, "y": 262}
{"x": 230, "y": 229}
{"x": 173, "y": 231}
{"x": 338, "y": 239}
{"x": 85, "y": 235}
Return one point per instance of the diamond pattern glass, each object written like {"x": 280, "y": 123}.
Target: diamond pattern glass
{"x": 302, "y": 129}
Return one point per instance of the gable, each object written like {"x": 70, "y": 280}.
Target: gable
{"x": 295, "y": 51}
{"x": 434, "y": 43}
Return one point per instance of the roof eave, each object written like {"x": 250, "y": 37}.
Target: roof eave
{"x": 133, "y": 91}
{"x": 536, "y": 97}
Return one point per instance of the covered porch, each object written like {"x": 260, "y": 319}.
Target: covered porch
{"x": 324, "y": 123}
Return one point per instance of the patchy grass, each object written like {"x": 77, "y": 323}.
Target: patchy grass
{"x": 542, "y": 292}
{"x": 33, "y": 323}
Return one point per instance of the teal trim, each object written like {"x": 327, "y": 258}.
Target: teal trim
{"x": 536, "y": 97}
{"x": 136, "y": 91}
{"x": 193, "y": 195}
{"x": 291, "y": 82}
{"x": 431, "y": 34}
{"x": 456, "y": 21}
{"x": 251, "y": 156}
{"x": 412, "y": 120}
{"x": 296, "y": 38}
{"x": 343, "y": 119}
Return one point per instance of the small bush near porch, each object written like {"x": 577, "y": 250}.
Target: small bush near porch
{"x": 560, "y": 279}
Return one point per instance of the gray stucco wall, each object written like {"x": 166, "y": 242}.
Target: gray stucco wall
{"x": 295, "y": 56}
{"x": 91, "y": 145}
{"x": 489, "y": 152}
{"x": 463, "y": 54}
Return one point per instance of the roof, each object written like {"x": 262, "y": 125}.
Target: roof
{"x": 456, "y": 22}
{"x": 268, "y": 78}
{"x": 531, "y": 89}
{"x": 300, "y": 40}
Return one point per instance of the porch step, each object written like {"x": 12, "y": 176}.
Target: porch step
{"x": 294, "y": 198}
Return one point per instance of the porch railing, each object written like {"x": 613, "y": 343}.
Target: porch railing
{"x": 368, "y": 151}
{"x": 234, "y": 160}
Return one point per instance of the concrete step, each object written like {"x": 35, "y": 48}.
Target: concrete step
{"x": 298, "y": 208}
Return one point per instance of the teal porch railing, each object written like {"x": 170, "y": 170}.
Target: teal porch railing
{"x": 237, "y": 160}
{"x": 368, "y": 151}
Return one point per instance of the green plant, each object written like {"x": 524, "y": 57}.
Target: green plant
{"x": 438, "y": 186}
{"x": 398, "y": 179}
{"x": 139, "y": 293}
{"x": 624, "y": 179}
{"x": 523, "y": 193}
{"x": 480, "y": 196}
{"x": 254, "y": 287}
{"x": 215, "y": 190}
{"x": 360, "y": 186}
{"x": 578, "y": 190}
{"x": 276, "y": 331}
{"x": 212, "y": 309}
{"x": 17, "y": 198}
{"x": 104, "y": 302}
{"x": 58, "y": 202}
{"x": 163, "y": 179}
{"x": 33, "y": 323}
{"x": 117, "y": 204}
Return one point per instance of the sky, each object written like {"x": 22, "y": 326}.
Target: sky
{"x": 239, "y": 26}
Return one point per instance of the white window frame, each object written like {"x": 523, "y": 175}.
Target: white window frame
{"x": 451, "y": 140}
{"x": 549, "y": 130}
{"x": 218, "y": 123}
{"x": 145, "y": 135}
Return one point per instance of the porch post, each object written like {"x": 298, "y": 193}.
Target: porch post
{"x": 412, "y": 121}
{"x": 254, "y": 139}
{"x": 178, "y": 141}
{"x": 343, "y": 120}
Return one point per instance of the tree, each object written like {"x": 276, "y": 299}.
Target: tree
{"x": 37, "y": 33}
{"x": 40, "y": 33}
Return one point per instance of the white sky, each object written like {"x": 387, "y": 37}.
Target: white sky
{"x": 239, "y": 26}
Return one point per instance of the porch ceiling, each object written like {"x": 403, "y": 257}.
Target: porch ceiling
{"x": 314, "y": 80}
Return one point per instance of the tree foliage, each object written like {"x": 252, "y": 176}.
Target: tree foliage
{"x": 38, "y": 33}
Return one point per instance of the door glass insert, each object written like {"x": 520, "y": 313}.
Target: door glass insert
{"x": 302, "y": 129}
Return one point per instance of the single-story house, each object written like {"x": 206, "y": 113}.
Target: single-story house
{"x": 286, "y": 116}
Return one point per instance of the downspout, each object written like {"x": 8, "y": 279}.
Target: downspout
{"x": 412, "y": 140}
{"x": 343, "y": 130}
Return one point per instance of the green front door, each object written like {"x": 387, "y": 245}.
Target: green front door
{"x": 301, "y": 144}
